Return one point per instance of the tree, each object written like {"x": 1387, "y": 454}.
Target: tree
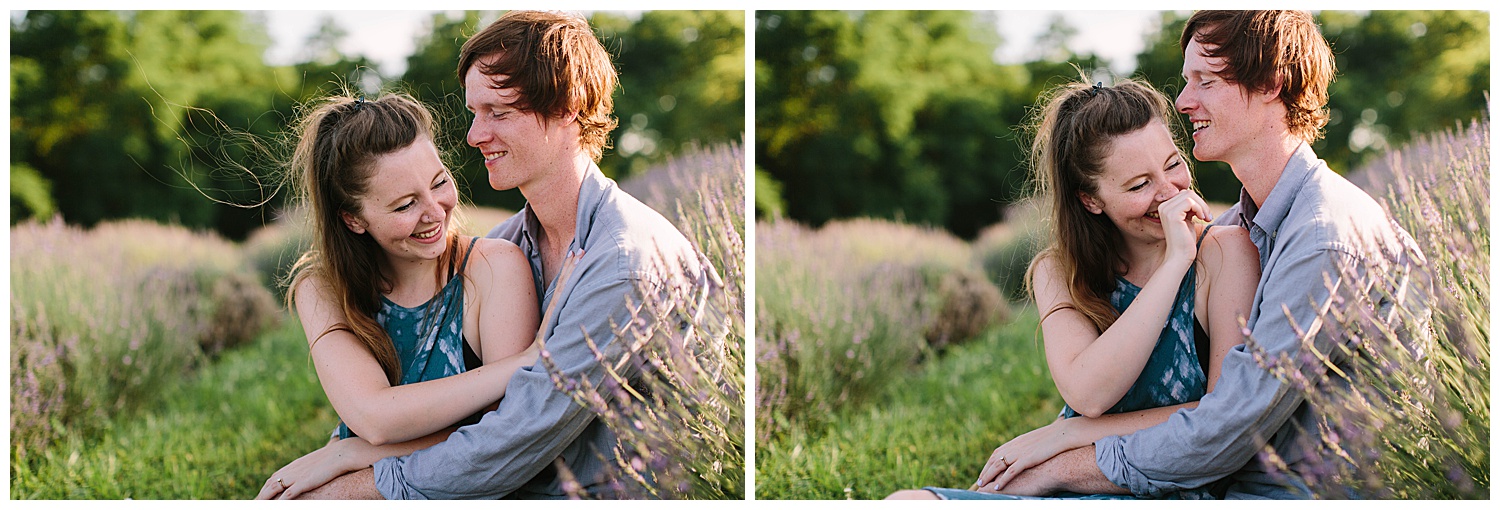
{"x": 107, "y": 108}
{"x": 682, "y": 81}
{"x": 1402, "y": 73}
{"x": 895, "y": 114}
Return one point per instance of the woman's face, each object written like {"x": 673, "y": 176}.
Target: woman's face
{"x": 407, "y": 203}
{"x": 1142, "y": 170}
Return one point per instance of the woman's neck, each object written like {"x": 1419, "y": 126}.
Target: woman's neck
{"x": 412, "y": 281}
{"x": 1143, "y": 258}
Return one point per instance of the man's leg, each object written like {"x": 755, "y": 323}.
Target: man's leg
{"x": 357, "y": 485}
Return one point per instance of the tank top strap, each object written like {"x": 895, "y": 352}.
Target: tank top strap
{"x": 1203, "y": 234}
{"x": 475, "y": 240}
{"x": 459, "y": 269}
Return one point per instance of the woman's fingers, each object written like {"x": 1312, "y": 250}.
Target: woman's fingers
{"x": 989, "y": 471}
{"x": 993, "y": 468}
{"x": 292, "y": 491}
{"x": 1010, "y": 473}
{"x": 271, "y": 489}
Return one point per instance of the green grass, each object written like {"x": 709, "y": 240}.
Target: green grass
{"x": 934, "y": 429}
{"x": 217, "y": 435}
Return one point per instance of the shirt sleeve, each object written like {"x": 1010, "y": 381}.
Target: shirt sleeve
{"x": 534, "y": 423}
{"x": 1196, "y": 447}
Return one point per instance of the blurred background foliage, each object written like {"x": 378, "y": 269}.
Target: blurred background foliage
{"x": 905, "y": 115}
{"x": 141, "y": 114}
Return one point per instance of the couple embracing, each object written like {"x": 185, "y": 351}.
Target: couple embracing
{"x": 417, "y": 332}
{"x": 1146, "y": 300}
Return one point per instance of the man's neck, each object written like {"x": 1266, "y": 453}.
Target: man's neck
{"x": 554, "y": 202}
{"x": 1259, "y": 165}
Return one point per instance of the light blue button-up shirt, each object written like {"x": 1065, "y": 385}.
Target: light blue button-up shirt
{"x": 625, "y": 247}
{"x": 1313, "y": 222}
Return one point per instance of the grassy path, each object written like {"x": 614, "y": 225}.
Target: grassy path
{"x": 935, "y": 428}
{"x": 215, "y": 436}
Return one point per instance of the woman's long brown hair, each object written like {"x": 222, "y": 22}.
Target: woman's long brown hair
{"x": 1074, "y": 131}
{"x": 339, "y": 140}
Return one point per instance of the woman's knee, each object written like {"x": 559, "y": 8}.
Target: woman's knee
{"x": 912, "y": 494}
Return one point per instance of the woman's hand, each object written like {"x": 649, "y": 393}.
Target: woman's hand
{"x": 1026, "y": 451}
{"x": 1177, "y": 215}
{"x": 311, "y": 471}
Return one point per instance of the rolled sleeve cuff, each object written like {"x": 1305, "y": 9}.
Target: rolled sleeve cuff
{"x": 391, "y": 481}
{"x": 1109, "y": 454}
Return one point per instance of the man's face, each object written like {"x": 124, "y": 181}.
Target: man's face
{"x": 1221, "y": 113}
{"x": 519, "y": 147}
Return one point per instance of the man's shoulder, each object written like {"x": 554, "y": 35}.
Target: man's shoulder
{"x": 1332, "y": 213}
{"x": 636, "y": 239}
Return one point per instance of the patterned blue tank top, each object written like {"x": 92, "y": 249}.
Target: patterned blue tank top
{"x": 429, "y": 338}
{"x": 1174, "y": 372}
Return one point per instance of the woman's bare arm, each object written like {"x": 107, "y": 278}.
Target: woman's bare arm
{"x": 365, "y": 400}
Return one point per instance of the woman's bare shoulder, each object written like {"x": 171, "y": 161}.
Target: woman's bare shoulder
{"x": 1229, "y": 246}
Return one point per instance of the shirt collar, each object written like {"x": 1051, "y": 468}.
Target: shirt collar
{"x": 591, "y": 195}
{"x": 1299, "y": 168}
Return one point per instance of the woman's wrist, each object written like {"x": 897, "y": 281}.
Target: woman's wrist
{"x": 351, "y": 454}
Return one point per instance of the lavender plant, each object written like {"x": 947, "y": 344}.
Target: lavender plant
{"x": 1406, "y": 393}
{"x": 840, "y": 309}
{"x": 1005, "y": 249}
{"x": 102, "y": 319}
{"x": 674, "y": 388}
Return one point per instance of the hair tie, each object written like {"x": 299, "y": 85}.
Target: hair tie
{"x": 359, "y": 104}
{"x": 1095, "y": 91}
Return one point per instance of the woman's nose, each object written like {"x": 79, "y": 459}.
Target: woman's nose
{"x": 1165, "y": 190}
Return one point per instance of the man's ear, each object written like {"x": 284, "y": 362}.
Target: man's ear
{"x": 352, "y": 223}
{"x": 1273, "y": 92}
{"x": 1089, "y": 202}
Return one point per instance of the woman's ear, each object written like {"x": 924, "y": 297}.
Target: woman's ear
{"x": 1089, "y": 202}
{"x": 352, "y": 222}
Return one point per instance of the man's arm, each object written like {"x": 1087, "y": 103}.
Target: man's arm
{"x": 1249, "y": 404}
{"x": 535, "y": 422}
{"x": 1073, "y": 471}
{"x": 356, "y": 485}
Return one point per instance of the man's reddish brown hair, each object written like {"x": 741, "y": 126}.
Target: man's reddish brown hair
{"x": 1263, "y": 50}
{"x": 556, "y": 63}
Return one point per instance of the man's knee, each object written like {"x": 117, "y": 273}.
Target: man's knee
{"x": 912, "y": 494}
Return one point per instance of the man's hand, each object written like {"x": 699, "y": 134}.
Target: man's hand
{"x": 356, "y": 485}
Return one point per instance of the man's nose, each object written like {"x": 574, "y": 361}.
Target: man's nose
{"x": 476, "y": 134}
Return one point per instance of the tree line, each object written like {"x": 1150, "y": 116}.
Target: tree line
{"x": 175, "y": 115}
{"x": 906, "y": 114}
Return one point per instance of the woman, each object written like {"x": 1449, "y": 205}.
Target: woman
{"x": 1139, "y": 302}
{"x": 1132, "y": 283}
{"x": 399, "y": 310}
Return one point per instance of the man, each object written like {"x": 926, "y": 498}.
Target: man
{"x": 539, "y": 86}
{"x": 1255, "y": 94}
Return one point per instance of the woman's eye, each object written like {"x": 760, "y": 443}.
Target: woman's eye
{"x": 440, "y": 184}
{"x": 1138, "y": 186}
{"x": 406, "y": 206}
